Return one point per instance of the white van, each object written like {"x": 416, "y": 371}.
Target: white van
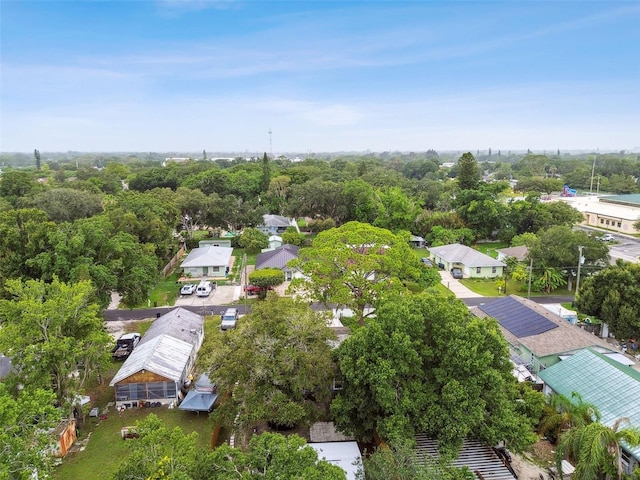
{"x": 229, "y": 318}
{"x": 203, "y": 289}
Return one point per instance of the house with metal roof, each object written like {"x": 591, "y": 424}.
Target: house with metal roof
{"x": 276, "y": 224}
{"x": 159, "y": 366}
{"x": 481, "y": 459}
{"x": 536, "y": 334}
{"x": 279, "y": 258}
{"x": 612, "y": 387}
{"x": 474, "y": 264}
{"x": 207, "y": 261}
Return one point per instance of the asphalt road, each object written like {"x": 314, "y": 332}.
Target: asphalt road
{"x": 140, "y": 314}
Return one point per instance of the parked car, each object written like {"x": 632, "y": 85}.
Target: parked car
{"x": 188, "y": 289}
{"x": 204, "y": 289}
{"x": 456, "y": 272}
{"x": 427, "y": 262}
{"x": 607, "y": 237}
{"x": 229, "y": 318}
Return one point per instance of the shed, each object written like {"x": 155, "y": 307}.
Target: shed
{"x": 64, "y": 436}
{"x": 416, "y": 241}
{"x": 158, "y": 367}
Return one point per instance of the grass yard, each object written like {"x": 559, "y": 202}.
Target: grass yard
{"x": 490, "y": 248}
{"x": 165, "y": 292}
{"x": 488, "y": 288}
{"x": 106, "y": 448}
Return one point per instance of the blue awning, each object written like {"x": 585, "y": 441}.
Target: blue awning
{"x": 196, "y": 401}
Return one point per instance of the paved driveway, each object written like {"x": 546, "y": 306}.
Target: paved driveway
{"x": 459, "y": 290}
{"x": 221, "y": 295}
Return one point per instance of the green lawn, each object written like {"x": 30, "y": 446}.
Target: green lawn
{"x": 490, "y": 248}
{"x": 488, "y": 288}
{"x": 106, "y": 448}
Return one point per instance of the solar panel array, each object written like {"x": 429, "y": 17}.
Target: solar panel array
{"x": 519, "y": 319}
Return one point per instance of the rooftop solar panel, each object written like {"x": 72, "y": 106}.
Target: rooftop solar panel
{"x": 519, "y": 319}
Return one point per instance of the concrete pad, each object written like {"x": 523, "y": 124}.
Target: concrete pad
{"x": 458, "y": 289}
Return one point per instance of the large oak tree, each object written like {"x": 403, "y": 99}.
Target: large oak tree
{"x": 273, "y": 364}
{"x": 427, "y": 365}
{"x": 357, "y": 265}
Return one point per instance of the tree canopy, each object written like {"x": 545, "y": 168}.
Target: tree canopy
{"x": 273, "y": 364}
{"x": 613, "y": 296}
{"x": 357, "y": 265}
{"x": 163, "y": 453}
{"x": 427, "y": 365}
{"x": 25, "y": 416}
{"x": 49, "y": 329}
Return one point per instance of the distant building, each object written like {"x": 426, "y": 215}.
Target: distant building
{"x": 617, "y": 212}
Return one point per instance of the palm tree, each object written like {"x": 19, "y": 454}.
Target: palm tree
{"x": 595, "y": 449}
{"x": 563, "y": 413}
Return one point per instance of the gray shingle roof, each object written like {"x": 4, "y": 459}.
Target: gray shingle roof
{"x": 458, "y": 253}
{"x": 277, "y": 258}
{"x": 276, "y": 221}
{"x": 519, "y": 253}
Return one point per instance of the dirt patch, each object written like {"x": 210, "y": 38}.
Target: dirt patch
{"x": 534, "y": 465}
{"x": 118, "y": 327}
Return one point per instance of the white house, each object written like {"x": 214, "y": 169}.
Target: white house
{"x": 473, "y": 263}
{"x": 276, "y": 224}
{"x": 207, "y": 261}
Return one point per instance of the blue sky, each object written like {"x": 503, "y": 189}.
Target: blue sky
{"x": 325, "y": 76}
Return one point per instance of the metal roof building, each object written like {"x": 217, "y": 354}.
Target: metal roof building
{"x": 157, "y": 368}
{"x": 612, "y": 387}
{"x": 478, "y": 457}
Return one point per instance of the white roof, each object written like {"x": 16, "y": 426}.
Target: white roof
{"x": 180, "y": 323}
{"x": 467, "y": 256}
{"x": 594, "y": 205}
{"x": 208, "y": 256}
{"x": 164, "y": 355}
{"x": 342, "y": 454}
{"x": 165, "y": 349}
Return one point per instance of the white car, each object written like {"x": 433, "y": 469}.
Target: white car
{"x": 188, "y": 289}
{"x": 607, "y": 237}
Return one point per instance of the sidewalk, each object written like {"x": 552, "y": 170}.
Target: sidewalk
{"x": 459, "y": 290}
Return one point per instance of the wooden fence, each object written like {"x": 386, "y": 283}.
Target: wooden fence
{"x": 166, "y": 271}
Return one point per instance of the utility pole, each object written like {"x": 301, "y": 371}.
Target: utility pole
{"x": 580, "y": 259}
{"x": 530, "y": 277}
